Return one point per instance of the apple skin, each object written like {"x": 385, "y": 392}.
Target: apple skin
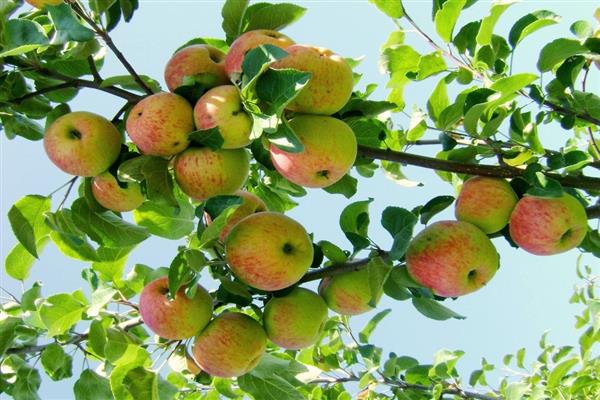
{"x": 194, "y": 60}
{"x": 82, "y": 143}
{"x": 329, "y": 151}
{"x": 43, "y": 3}
{"x": 202, "y": 173}
{"x": 248, "y": 41}
{"x": 294, "y": 321}
{"x": 546, "y": 226}
{"x": 222, "y": 107}
{"x": 486, "y": 203}
{"x": 268, "y": 251}
{"x": 348, "y": 293}
{"x": 231, "y": 345}
{"x": 109, "y": 194}
{"x": 251, "y": 204}
{"x": 176, "y": 319}
{"x": 330, "y": 84}
{"x": 452, "y": 258}
{"x": 160, "y": 124}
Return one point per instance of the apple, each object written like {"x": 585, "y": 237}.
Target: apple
{"x": 194, "y": 60}
{"x": 330, "y": 84}
{"x": 452, "y": 258}
{"x": 329, "y": 151}
{"x": 251, "y": 204}
{"x": 160, "y": 124}
{"x": 230, "y": 346}
{"x": 107, "y": 191}
{"x": 268, "y": 251}
{"x": 486, "y": 203}
{"x": 546, "y": 226}
{"x": 180, "y": 318}
{"x": 248, "y": 41}
{"x": 43, "y": 3}
{"x": 221, "y": 107}
{"x": 82, "y": 143}
{"x": 202, "y": 173}
{"x": 348, "y": 293}
{"x": 294, "y": 321}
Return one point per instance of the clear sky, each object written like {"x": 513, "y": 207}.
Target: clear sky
{"x": 528, "y": 295}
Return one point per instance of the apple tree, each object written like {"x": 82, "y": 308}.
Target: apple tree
{"x": 217, "y": 156}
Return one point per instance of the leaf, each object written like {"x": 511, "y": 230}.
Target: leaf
{"x": 19, "y": 261}
{"x": 61, "y": 311}
{"x": 233, "y": 14}
{"x": 255, "y": 63}
{"x": 22, "y": 36}
{"x": 67, "y": 26}
{"x": 516, "y": 391}
{"x": 212, "y": 231}
{"x": 560, "y": 371}
{"x": 266, "y": 387}
{"x": 354, "y": 221}
{"x": 8, "y": 332}
{"x": 286, "y": 139}
{"x": 347, "y": 186}
{"x": 530, "y": 23}
{"x": 57, "y": 364}
{"x": 155, "y": 172}
{"x": 18, "y": 125}
{"x": 332, "y": 252}
{"x": 365, "y": 333}
{"x": 91, "y": 386}
{"x": 434, "y": 206}
{"x": 164, "y": 220}
{"x": 100, "y": 298}
{"x": 484, "y": 37}
{"x": 391, "y": 8}
{"x": 210, "y": 138}
{"x": 130, "y": 83}
{"x": 582, "y": 29}
{"x": 378, "y": 271}
{"x": 557, "y": 51}
{"x": 434, "y": 310}
{"x": 26, "y": 218}
{"x": 179, "y": 274}
{"x": 394, "y": 219}
{"x": 277, "y": 87}
{"x": 271, "y": 16}
{"x": 446, "y": 17}
{"x": 27, "y": 384}
{"x": 438, "y": 101}
{"x": 417, "y": 126}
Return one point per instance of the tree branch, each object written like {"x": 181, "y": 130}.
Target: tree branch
{"x": 593, "y": 212}
{"x": 340, "y": 268}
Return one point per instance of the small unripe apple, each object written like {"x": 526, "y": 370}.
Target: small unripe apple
{"x": 452, "y": 258}
{"x": 248, "y": 41}
{"x": 486, "y": 203}
{"x": 251, "y": 204}
{"x": 180, "y": 318}
{"x": 349, "y": 293}
{"x": 82, "y": 143}
{"x": 221, "y": 107}
{"x": 43, "y": 3}
{"x": 109, "y": 194}
{"x": 194, "y": 60}
{"x": 545, "y": 226}
{"x": 294, "y": 321}
{"x": 231, "y": 345}
{"x": 329, "y": 151}
{"x": 268, "y": 251}
{"x": 330, "y": 84}
{"x": 202, "y": 173}
{"x": 160, "y": 124}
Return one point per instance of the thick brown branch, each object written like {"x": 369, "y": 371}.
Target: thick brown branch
{"x": 337, "y": 269}
{"x": 593, "y": 212}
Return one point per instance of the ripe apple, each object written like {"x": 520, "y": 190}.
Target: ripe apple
{"x": 452, "y": 258}
{"x": 329, "y": 151}
{"x": 43, "y": 3}
{"x": 546, "y": 226}
{"x": 330, "y": 84}
{"x": 180, "y": 318}
{"x": 82, "y": 143}
{"x": 348, "y": 293}
{"x": 194, "y": 60}
{"x": 268, "y": 251}
{"x": 109, "y": 194}
{"x": 294, "y": 321}
{"x": 248, "y": 41}
{"x": 231, "y": 345}
{"x": 486, "y": 203}
{"x": 160, "y": 124}
{"x": 221, "y": 107}
{"x": 251, "y": 204}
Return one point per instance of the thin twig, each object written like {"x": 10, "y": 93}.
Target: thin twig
{"x": 69, "y": 188}
{"x": 69, "y": 182}
{"x": 92, "y": 64}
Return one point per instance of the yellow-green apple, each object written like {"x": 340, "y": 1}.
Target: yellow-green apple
{"x": 43, "y": 3}
{"x": 349, "y": 293}
{"x": 221, "y": 107}
{"x": 546, "y": 226}
{"x": 160, "y": 124}
{"x": 329, "y": 151}
{"x": 330, "y": 84}
{"x": 248, "y": 41}
{"x": 231, "y": 345}
{"x": 178, "y": 318}
{"x": 294, "y": 321}
{"x": 202, "y": 173}
{"x": 268, "y": 251}
{"x": 82, "y": 143}
{"x": 452, "y": 258}
{"x": 486, "y": 203}
{"x": 251, "y": 204}
{"x": 111, "y": 195}
{"x": 195, "y": 60}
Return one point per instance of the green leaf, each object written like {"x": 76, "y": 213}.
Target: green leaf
{"x": 91, "y": 386}
{"x": 265, "y": 387}
{"x": 26, "y": 218}
{"x": 8, "y": 332}
{"x": 332, "y": 252}
{"x": 142, "y": 384}
{"x": 391, "y": 8}
{"x": 557, "y": 51}
{"x": 166, "y": 221}
{"x": 61, "y": 311}
{"x": 271, "y": 16}
{"x": 22, "y": 36}
{"x": 19, "y": 261}
{"x": 446, "y": 17}
{"x": 484, "y": 37}
{"x": 516, "y": 391}
{"x": 100, "y": 298}
{"x": 365, "y": 333}
{"x": 354, "y": 221}
{"x": 530, "y": 23}
{"x": 212, "y": 231}
{"x": 130, "y": 83}
{"x": 433, "y": 309}
{"x": 69, "y": 239}
{"x": 438, "y": 101}
{"x": 57, "y": 364}
{"x": 67, "y": 26}
{"x": 27, "y": 383}
{"x": 278, "y": 87}
{"x": 19, "y": 125}
{"x": 434, "y": 206}
{"x": 155, "y": 172}
{"x": 101, "y": 6}
{"x": 346, "y": 186}
{"x": 378, "y": 271}
{"x": 210, "y": 138}
{"x": 560, "y": 371}
{"x": 582, "y": 29}
{"x": 256, "y": 62}
{"x": 128, "y": 7}
{"x": 394, "y": 219}
{"x": 179, "y": 274}
{"x": 286, "y": 139}
{"x": 430, "y": 64}
{"x": 417, "y": 126}
{"x": 233, "y": 14}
